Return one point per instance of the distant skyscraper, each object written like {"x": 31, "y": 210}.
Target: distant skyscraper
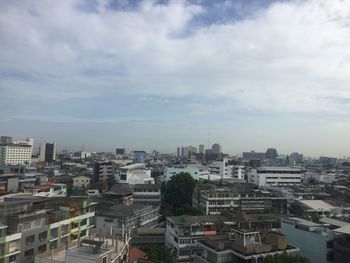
{"x": 178, "y": 152}
{"x": 296, "y": 158}
{"x": 120, "y": 151}
{"x": 6, "y": 139}
{"x": 47, "y": 152}
{"x": 139, "y": 156}
{"x": 216, "y": 148}
{"x": 184, "y": 152}
{"x": 271, "y": 154}
{"x": 201, "y": 148}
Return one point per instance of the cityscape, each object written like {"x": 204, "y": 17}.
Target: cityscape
{"x": 168, "y": 131}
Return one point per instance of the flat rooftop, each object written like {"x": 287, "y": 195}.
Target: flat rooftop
{"x": 317, "y": 205}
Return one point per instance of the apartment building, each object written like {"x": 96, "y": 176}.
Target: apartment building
{"x": 46, "y": 224}
{"x": 182, "y": 232}
{"x": 9, "y": 245}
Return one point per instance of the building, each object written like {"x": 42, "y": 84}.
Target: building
{"x": 216, "y": 148}
{"x": 253, "y": 155}
{"x": 104, "y": 172}
{"x": 178, "y": 152}
{"x": 196, "y": 171}
{"x": 15, "y": 154}
{"x": 182, "y": 232}
{"x": 10, "y": 247}
{"x": 45, "y": 224}
{"x": 326, "y": 178}
{"x": 139, "y": 156}
{"x": 147, "y": 194}
{"x": 319, "y": 207}
{"x": 216, "y": 201}
{"x": 136, "y": 173}
{"x": 120, "y": 216}
{"x": 271, "y": 154}
{"x": 47, "y": 152}
{"x": 296, "y": 158}
{"x": 81, "y": 181}
{"x": 314, "y": 240}
{"x": 276, "y": 176}
{"x": 103, "y": 247}
{"x": 244, "y": 246}
{"x": 342, "y": 244}
{"x": 201, "y": 149}
{"x": 120, "y": 151}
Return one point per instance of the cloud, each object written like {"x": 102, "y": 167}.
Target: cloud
{"x": 286, "y": 57}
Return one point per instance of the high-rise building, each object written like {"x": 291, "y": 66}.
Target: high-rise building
{"x": 216, "y": 148}
{"x": 15, "y": 152}
{"x": 47, "y": 152}
{"x": 178, "y": 152}
{"x": 271, "y": 154}
{"x": 139, "y": 156}
{"x": 201, "y": 148}
{"x": 120, "y": 151}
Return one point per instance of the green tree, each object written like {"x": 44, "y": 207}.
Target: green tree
{"x": 159, "y": 253}
{"x": 187, "y": 210}
{"x": 178, "y": 191}
{"x": 286, "y": 258}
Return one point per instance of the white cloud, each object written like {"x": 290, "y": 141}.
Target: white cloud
{"x": 290, "y": 57}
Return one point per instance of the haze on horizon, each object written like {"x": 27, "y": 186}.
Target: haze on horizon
{"x": 160, "y": 74}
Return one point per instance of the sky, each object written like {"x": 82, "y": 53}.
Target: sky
{"x": 150, "y": 75}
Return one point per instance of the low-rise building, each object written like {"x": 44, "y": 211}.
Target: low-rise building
{"x": 147, "y": 194}
{"x": 120, "y": 216}
{"x": 10, "y": 247}
{"x": 276, "y": 176}
{"x": 182, "y": 232}
{"x": 243, "y": 246}
{"x": 136, "y": 173}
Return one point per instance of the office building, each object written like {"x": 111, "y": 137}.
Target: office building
{"x": 276, "y": 176}
{"x": 139, "y": 156}
{"x": 15, "y": 154}
{"x": 216, "y": 148}
{"x": 47, "y": 152}
{"x": 147, "y": 194}
{"x": 296, "y": 158}
{"x": 120, "y": 151}
{"x": 178, "y": 152}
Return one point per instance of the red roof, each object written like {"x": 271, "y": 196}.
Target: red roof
{"x": 136, "y": 253}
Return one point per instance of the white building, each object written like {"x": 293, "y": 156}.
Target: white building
{"x": 276, "y": 176}
{"x": 196, "y": 171}
{"x": 15, "y": 154}
{"x": 49, "y": 190}
{"x": 136, "y": 173}
{"x": 224, "y": 169}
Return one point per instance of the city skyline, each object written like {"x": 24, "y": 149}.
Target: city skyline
{"x": 161, "y": 74}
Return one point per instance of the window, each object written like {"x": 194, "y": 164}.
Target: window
{"x": 29, "y": 240}
{"x": 29, "y": 253}
{"x": 104, "y": 260}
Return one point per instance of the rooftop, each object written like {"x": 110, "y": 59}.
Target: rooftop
{"x": 190, "y": 220}
{"x": 334, "y": 222}
{"x": 317, "y": 205}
